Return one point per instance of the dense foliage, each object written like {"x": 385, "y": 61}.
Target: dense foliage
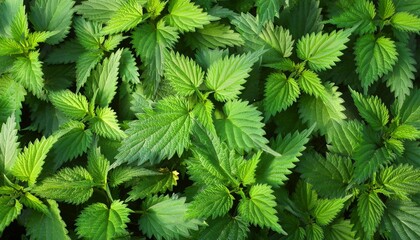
{"x": 209, "y": 119}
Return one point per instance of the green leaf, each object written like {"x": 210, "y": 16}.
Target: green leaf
{"x": 277, "y": 38}
{"x": 88, "y": 33}
{"x": 259, "y": 209}
{"x": 19, "y": 26}
{"x": 401, "y": 220}
{"x": 52, "y": 16}
{"x": 128, "y": 16}
{"x": 29, "y": 163}
{"x": 183, "y": 73}
{"x": 104, "y": 79}
{"x": 35, "y": 38}
{"x": 157, "y": 135}
{"x": 405, "y": 131}
{"x": 327, "y": 209}
{"x": 148, "y": 185}
{"x": 322, "y": 111}
{"x": 371, "y": 109}
{"x": 186, "y": 16}
{"x": 247, "y": 168}
{"x": 280, "y": 93}
{"x": 97, "y": 221}
{"x": 267, "y": 10}
{"x": 165, "y": 218}
{"x": 329, "y": 176}
{"x": 314, "y": 232}
{"x": 311, "y": 84}
{"x": 340, "y": 230}
{"x": 99, "y": 10}
{"x": 374, "y": 58}
{"x": 31, "y": 201}
{"x": 242, "y": 128}
{"x": 226, "y": 227}
{"x": 70, "y": 185}
{"x": 360, "y": 14}
{"x": 400, "y": 180}
{"x": 410, "y": 110}
{"x": 215, "y": 35}
{"x": 273, "y": 170}
{"x": 105, "y": 124}
{"x": 74, "y": 106}
{"x": 386, "y": 9}
{"x": 84, "y": 65}
{"x": 405, "y": 21}
{"x": 128, "y": 67}
{"x": 124, "y": 174}
{"x": 322, "y": 50}
{"x": 12, "y": 95}
{"x": 214, "y": 201}
{"x": 226, "y": 76}
{"x": 9, "y": 145}
{"x": 9, "y": 47}
{"x": 203, "y": 111}
{"x": 98, "y": 166}
{"x": 370, "y": 209}
{"x": 400, "y": 79}
{"x": 9, "y": 10}
{"x": 9, "y": 210}
{"x": 67, "y": 52}
{"x": 28, "y": 72}
{"x": 249, "y": 27}
{"x": 344, "y": 137}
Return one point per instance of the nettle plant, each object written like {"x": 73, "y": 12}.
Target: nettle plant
{"x": 182, "y": 119}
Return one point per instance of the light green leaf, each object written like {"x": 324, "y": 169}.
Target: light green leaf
{"x": 12, "y": 95}
{"x": 370, "y": 209}
{"x": 314, "y": 232}
{"x": 99, "y": 222}
{"x": 203, "y": 111}
{"x": 311, "y": 84}
{"x": 45, "y": 226}
{"x": 29, "y": 163}
{"x": 374, "y": 58}
{"x": 249, "y": 27}
{"x": 183, "y": 73}
{"x": 226, "y": 227}
{"x": 242, "y": 127}
{"x": 148, "y": 185}
{"x": 128, "y": 67}
{"x": 386, "y": 9}
{"x": 88, "y": 33}
{"x": 128, "y": 16}
{"x": 74, "y": 106}
{"x": 70, "y": 185}
{"x": 406, "y": 131}
{"x": 340, "y": 230}
{"x": 280, "y": 93}
{"x": 247, "y": 168}
{"x": 410, "y": 110}
{"x": 371, "y": 109}
{"x": 165, "y": 218}
{"x": 113, "y": 41}
{"x": 35, "y": 38}
{"x": 19, "y": 26}
{"x": 31, "y": 201}
{"x": 400, "y": 180}
{"x": 84, "y": 65}
{"x": 226, "y": 76}
{"x": 327, "y": 209}
{"x": 157, "y": 135}
{"x": 215, "y": 35}
{"x": 99, "y": 10}
{"x": 124, "y": 174}
{"x": 9, "y": 145}
{"x": 28, "y": 72}
{"x": 401, "y": 220}
{"x": 52, "y": 16}
{"x": 277, "y": 38}
{"x": 259, "y": 209}
{"x": 405, "y": 21}
{"x": 9, "y": 47}
{"x": 360, "y": 14}
{"x": 267, "y": 9}
{"x": 105, "y": 124}
{"x": 344, "y": 137}
{"x": 322, "y": 50}
{"x": 9, "y": 210}
{"x": 214, "y": 201}
{"x": 186, "y": 16}
{"x": 98, "y": 167}
{"x": 104, "y": 79}
{"x": 9, "y": 11}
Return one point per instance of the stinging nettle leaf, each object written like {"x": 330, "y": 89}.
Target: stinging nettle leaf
{"x": 74, "y": 106}
{"x": 226, "y": 227}
{"x": 400, "y": 219}
{"x": 280, "y": 93}
{"x": 88, "y": 33}
{"x": 128, "y": 16}
{"x": 214, "y": 35}
{"x": 99, "y": 10}
{"x": 9, "y": 210}
{"x": 157, "y": 183}
{"x": 370, "y": 209}
{"x": 105, "y": 124}
{"x": 278, "y": 38}
{"x": 406, "y": 22}
{"x": 311, "y": 84}
{"x": 28, "y": 72}
{"x": 9, "y": 145}
{"x": 84, "y": 65}
{"x": 267, "y": 9}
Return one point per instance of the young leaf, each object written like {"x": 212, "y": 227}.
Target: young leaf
{"x": 165, "y": 218}
{"x": 280, "y": 93}
{"x": 105, "y": 124}
{"x": 97, "y": 221}
{"x": 410, "y": 110}
{"x": 98, "y": 10}
{"x": 9, "y": 210}
{"x": 400, "y": 180}
{"x": 45, "y": 226}
{"x": 267, "y": 10}
{"x": 9, "y": 145}
{"x": 401, "y": 220}
{"x": 124, "y": 174}
{"x": 9, "y": 47}
{"x": 314, "y": 232}
{"x": 327, "y": 209}
{"x": 70, "y": 185}
{"x": 242, "y": 127}
{"x": 226, "y": 76}
{"x": 88, "y": 33}
{"x": 186, "y": 16}
{"x": 226, "y": 227}
{"x": 104, "y": 79}
{"x": 321, "y": 51}
{"x": 128, "y": 16}
{"x": 9, "y": 10}
{"x": 215, "y": 35}
{"x": 371, "y": 109}
{"x": 157, "y": 135}
{"x": 374, "y": 58}
{"x": 84, "y": 65}
{"x": 344, "y": 137}
{"x": 128, "y": 67}
{"x": 29, "y": 163}
{"x": 149, "y": 185}
{"x": 259, "y": 209}
{"x": 74, "y": 106}
{"x": 98, "y": 166}
{"x": 406, "y": 22}
{"x": 278, "y": 38}
{"x": 386, "y": 9}
{"x": 249, "y": 27}
{"x": 183, "y": 73}
{"x": 342, "y": 229}
{"x": 52, "y": 16}
{"x": 19, "y": 26}
{"x": 247, "y": 168}
{"x": 28, "y": 72}
{"x": 203, "y": 111}
{"x": 370, "y": 209}
{"x": 214, "y": 201}
{"x": 31, "y": 201}
{"x": 311, "y": 84}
